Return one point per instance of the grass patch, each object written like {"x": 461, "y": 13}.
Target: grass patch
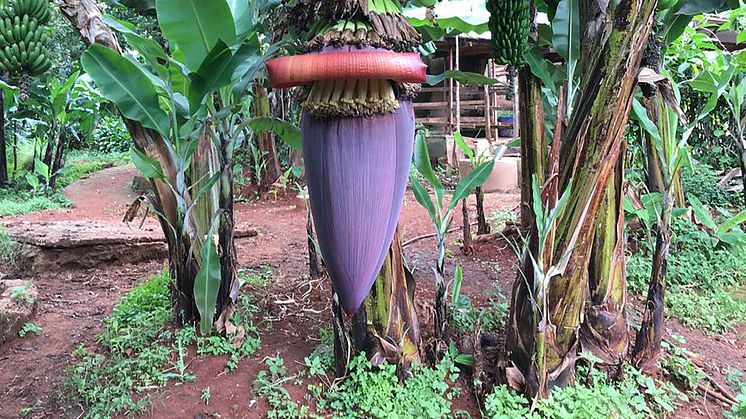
{"x": 81, "y": 163}
{"x": 10, "y": 250}
{"x": 141, "y": 352}
{"x": 699, "y": 276}
{"x": 711, "y": 311}
{"x": 17, "y": 202}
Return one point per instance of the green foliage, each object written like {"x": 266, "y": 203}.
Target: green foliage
{"x": 111, "y": 136}
{"x": 21, "y": 201}
{"x": 10, "y": 250}
{"x": 702, "y": 183}
{"x": 140, "y": 351}
{"x": 270, "y": 384}
{"x": 713, "y": 311}
{"x": 30, "y": 327}
{"x": 370, "y": 393}
{"x": 593, "y": 396}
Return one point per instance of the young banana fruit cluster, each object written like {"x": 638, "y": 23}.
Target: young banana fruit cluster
{"x": 23, "y": 41}
{"x": 510, "y": 24}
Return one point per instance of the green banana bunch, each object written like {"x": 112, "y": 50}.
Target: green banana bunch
{"x": 23, "y": 41}
{"x": 510, "y": 24}
{"x": 34, "y": 9}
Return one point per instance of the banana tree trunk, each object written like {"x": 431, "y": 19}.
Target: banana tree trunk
{"x": 604, "y": 331}
{"x": 741, "y": 142}
{"x": 56, "y": 164}
{"x": 647, "y": 351}
{"x": 86, "y": 17}
{"x": 533, "y": 142}
{"x": 3, "y": 147}
{"x": 482, "y": 226}
{"x": 591, "y": 148}
{"x": 386, "y": 326}
{"x": 653, "y": 59}
{"x": 266, "y": 142}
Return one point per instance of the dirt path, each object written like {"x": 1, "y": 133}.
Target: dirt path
{"x": 103, "y": 195}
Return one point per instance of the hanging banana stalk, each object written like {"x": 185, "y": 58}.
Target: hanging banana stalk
{"x": 358, "y": 77}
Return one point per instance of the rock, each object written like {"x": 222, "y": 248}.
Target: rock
{"x": 17, "y": 306}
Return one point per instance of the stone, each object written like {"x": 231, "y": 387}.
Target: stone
{"x": 18, "y": 301}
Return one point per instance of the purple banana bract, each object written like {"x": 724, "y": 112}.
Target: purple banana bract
{"x": 357, "y": 171}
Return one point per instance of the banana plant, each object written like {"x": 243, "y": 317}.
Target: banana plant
{"x": 727, "y": 79}
{"x": 441, "y": 214}
{"x": 669, "y": 135}
{"x": 188, "y": 100}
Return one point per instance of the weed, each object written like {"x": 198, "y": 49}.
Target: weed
{"x": 206, "y": 396}
{"x": 738, "y": 411}
{"x": 593, "y": 396}
{"x": 500, "y": 218}
{"x": 30, "y": 327}
{"x": 711, "y": 311}
{"x": 10, "y": 250}
{"x": 368, "y": 392}
{"x": 22, "y": 293}
{"x": 142, "y": 353}
{"x": 270, "y": 384}
{"x": 677, "y": 364}
{"x": 259, "y": 276}
{"x": 465, "y": 317}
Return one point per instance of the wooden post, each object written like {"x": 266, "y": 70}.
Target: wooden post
{"x": 458, "y": 90}
{"x": 450, "y": 91}
{"x": 487, "y": 111}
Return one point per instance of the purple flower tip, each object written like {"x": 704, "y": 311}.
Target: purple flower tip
{"x": 357, "y": 175}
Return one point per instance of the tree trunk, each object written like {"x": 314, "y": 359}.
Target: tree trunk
{"x": 466, "y": 227}
{"x": 591, "y": 148}
{"x": 742, "y": 162}
{"x": 3, "y": 146}
{"x": 647, "y": 351}
{"x": 56, "y": 165}
{"x": 653, "y": 59}
{"x": 482, "y": 226}
{"x": 313, "y": 258}
{"x": 533, "y": 143}
{"x": 386, "y": 326}
{"x": 266, "y": 141}
{"x": 604, "y": 331}
{"x": 15, "y": 150}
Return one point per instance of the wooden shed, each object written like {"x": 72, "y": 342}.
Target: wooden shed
{"x": 472, "y": 110}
